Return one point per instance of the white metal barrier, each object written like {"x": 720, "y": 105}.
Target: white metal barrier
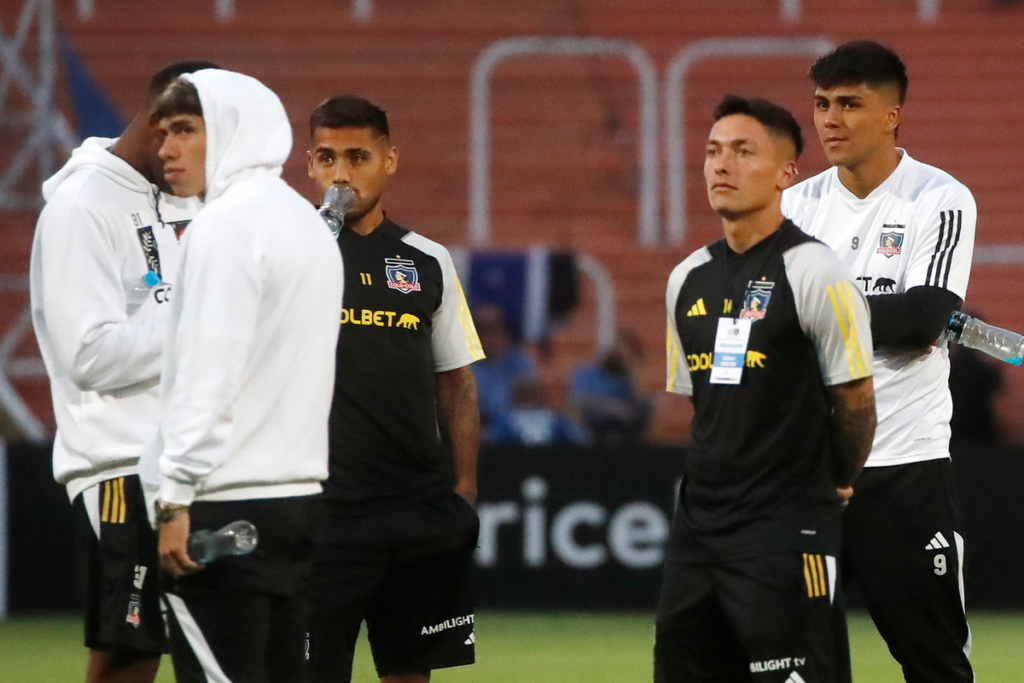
{"x": 675, "y": 94}
{"x": 480, "y": 123}
{"x": 223, "y": 10}
{"x": 791, "y": 10}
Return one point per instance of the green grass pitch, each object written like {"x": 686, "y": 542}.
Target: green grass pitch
{"x": 529, "y": 648}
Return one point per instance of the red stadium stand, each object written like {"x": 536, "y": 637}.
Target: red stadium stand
{"x": 563, "y": 169}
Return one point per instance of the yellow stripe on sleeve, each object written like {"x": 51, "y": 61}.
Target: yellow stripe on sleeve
{"x": 842, "y": 328}
{"x": 469, "y": 335}
{"x": 105, "y": 516}
{"x": 672, "y": 355}
{"x": 822, "y": 577}
{"x": 124, "y": 500}
{"x": 807, "y": 577}
{"x": 858, "y": 348}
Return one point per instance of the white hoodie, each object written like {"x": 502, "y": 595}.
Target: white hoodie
{"x": 249, "y": 363}
{"x": 100, "y": 326}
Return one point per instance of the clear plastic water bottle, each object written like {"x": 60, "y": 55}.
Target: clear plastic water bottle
{"x": 138, "y": 290}
{"x": 974, "y": 334}
{"x": 337, "y": 201}
{"x": 237, "y": 538}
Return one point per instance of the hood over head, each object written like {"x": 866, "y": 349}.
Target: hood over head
{"x": 94, "y": 154}
{"x": 247, "y": 129}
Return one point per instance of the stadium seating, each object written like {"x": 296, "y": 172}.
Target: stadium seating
{"x": 564, "y": 128}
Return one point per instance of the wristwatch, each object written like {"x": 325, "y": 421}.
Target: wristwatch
{"x": 165, "y": 512}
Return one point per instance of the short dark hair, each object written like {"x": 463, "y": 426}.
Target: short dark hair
{"x": 349, "y": 111}
{"x": 162, "y": 78}
{"x": 180, "y": 97}
{"x": 775, "y": 119}
{"x": 861, "y": 62}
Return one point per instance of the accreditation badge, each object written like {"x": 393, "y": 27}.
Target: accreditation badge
{"x": 730, "y": 350}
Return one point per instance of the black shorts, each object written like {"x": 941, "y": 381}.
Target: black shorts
{"x": 767, "y": 619}
{"x": 243, "y": 619}
{"x": 121, "y": 582}
{"x": 407, "y": 574}
{"x": 903, "y": 546}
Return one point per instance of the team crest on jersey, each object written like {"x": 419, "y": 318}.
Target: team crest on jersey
{"x": 402, "y": 275}
{"x": 134, "y": 608}
{"x": 890, "y": 243}
{"x": 755, "y": 301}
{"x": 147, "y": 240}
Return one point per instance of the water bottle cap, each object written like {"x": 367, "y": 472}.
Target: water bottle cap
{"x": 151, "y": 279}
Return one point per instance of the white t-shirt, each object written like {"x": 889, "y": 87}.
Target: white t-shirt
{"x": 915, "y": 229}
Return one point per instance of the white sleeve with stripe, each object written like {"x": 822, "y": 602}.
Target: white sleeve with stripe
{"x": 944, "y": 245}
{"x": 677, "y": 368}
{"x": 454, "y": 340}
{"x": 832, "y": 311}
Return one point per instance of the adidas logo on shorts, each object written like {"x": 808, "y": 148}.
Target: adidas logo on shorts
{"x": 471, "y": 639}
{"x": 795, "y": 678}
{"x": 938, "y": 542}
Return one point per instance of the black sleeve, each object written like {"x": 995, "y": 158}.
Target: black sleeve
{"x": 913, "y": 319}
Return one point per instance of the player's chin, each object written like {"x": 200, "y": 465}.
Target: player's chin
{"x": 837, "y": 157}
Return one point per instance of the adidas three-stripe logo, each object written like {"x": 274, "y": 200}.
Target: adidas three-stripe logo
{"x": 697, "y": 309}
{"x": 471, "y": 639}
{"x": 795, "y": 678}
{"x": 938, "y": 542}
{"x": 942, "y": 258}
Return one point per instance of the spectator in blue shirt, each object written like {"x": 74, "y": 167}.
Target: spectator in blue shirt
{"x": 505, "y": 364}
{"x": 531, "y": 422}
{"x": 605, "y": 395}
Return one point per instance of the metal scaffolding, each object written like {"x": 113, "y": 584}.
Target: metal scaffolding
{"x": 47, "y": 131}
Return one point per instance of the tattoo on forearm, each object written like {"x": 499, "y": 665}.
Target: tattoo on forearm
{"x": 459, "y": 417}
{"x": 854, "y": 422}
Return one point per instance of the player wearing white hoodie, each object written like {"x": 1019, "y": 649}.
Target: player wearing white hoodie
{"x": 104, "y": 258}
{"x": 247, "y": 383}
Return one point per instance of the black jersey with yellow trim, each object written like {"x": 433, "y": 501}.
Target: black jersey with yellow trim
{"x": 385, "y": 445}
{"x": 759, "y": 470}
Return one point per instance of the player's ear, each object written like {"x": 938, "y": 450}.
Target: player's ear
{"x": 309, "y": 163}
{"x": 788, "y": 173}
{"x": 892, "y": 118}
{"x": 391, "y": 162}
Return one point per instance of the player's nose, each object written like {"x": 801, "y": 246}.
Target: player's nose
{"x": 342, "y": 176}
{"x": 166, "y": 150}
{"x": 833, "y": 115}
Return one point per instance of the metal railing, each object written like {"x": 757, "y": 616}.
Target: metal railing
{"x": 790, "y": 11}
{"x": 480, "y": 123}
{"x": 48, "y": 129}
{"x": 12, "y": 367}
{"x": 224, "y": 10}
{"x": 675, "y": 95}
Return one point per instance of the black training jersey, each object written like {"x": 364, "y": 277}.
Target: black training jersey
{"x": 404, "y": 318}
{"x": 758, "y": 476}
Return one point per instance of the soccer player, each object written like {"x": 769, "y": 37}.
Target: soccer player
{"x": 398, "y": 527}
{"x": 906, "y": 230}
{"x": 104, "y": 257}
{"x": 247, "y": 382}
{"x": 770, "y": 338}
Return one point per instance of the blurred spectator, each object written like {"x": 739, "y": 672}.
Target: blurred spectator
{"x": 531, "y": 423}
{"x": 504, "y": 365}
{"x": 605, "y": 394}
{"x": 974, "y": 382}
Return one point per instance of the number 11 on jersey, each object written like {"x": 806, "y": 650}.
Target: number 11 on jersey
{"x": 365, "y": 278}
